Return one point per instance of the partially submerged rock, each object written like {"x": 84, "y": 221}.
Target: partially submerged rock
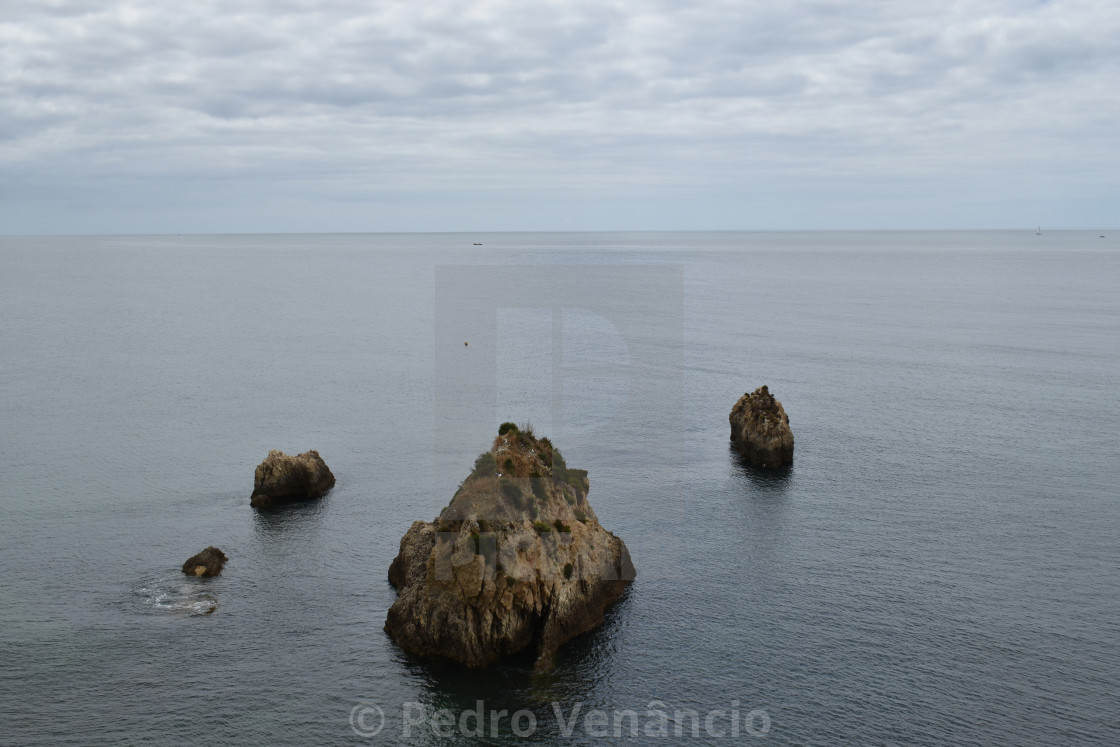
{"x": 517, "y": 559}
{"x": 207, "y": 563}
{"x": 281, "y": 478}
{"x": 760, "y": 429}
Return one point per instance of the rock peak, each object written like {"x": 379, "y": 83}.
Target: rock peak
{"x": 760, "y": 429}
{"x": 516, "y": 559}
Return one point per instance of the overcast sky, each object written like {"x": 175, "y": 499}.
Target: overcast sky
{"x": 379, "y": 115}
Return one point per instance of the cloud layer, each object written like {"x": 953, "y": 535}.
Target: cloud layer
{"x": 507, "y": 114}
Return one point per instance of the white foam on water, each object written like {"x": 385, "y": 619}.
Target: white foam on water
{"x": 171, "y": 595}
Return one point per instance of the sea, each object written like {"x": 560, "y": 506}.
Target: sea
{"x": 940, "y": 565}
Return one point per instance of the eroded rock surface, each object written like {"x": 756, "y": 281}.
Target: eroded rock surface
{"x": 760, "y": 429}
{"x": 517, "y": 559}
{"x": 281, "y": 478}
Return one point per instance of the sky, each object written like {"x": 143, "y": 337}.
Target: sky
{"x": 213, "y": 116}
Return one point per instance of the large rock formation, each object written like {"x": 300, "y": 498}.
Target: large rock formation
{"x": 517, "y": 559}
{"x": 760, "y": 429}
{"x": 281, "y": 478}
{"x": 209, "y": 562}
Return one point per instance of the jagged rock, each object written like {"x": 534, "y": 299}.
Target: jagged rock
{"x": 209, "y": 562}
{"x": 760, "y": 429}
{"x": 281, "y": 478}
{"x": 518, "y": 558}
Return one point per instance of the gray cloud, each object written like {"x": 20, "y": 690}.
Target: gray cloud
{"x": 610, "y": 107}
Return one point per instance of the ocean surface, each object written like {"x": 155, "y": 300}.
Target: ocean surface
{"x": 941, "y": 565}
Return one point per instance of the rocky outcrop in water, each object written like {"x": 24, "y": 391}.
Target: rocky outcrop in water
{"x": 281, "y": 478}
{"x": 209, "y": 562}
{"x": 760, "y": 429}
{"x": 517, "y": 559}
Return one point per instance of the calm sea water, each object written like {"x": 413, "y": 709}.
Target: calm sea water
{"x": 939, "y": 565}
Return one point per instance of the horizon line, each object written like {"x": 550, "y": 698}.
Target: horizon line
{"x": 553, "y": 230}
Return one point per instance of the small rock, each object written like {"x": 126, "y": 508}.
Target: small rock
{"x": 281, "y": 478}
{"x": 207, "y": 563}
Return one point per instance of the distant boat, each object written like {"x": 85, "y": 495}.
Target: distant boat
{"x": 478, "y": 243}
{"x": 1038, "y": 232}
